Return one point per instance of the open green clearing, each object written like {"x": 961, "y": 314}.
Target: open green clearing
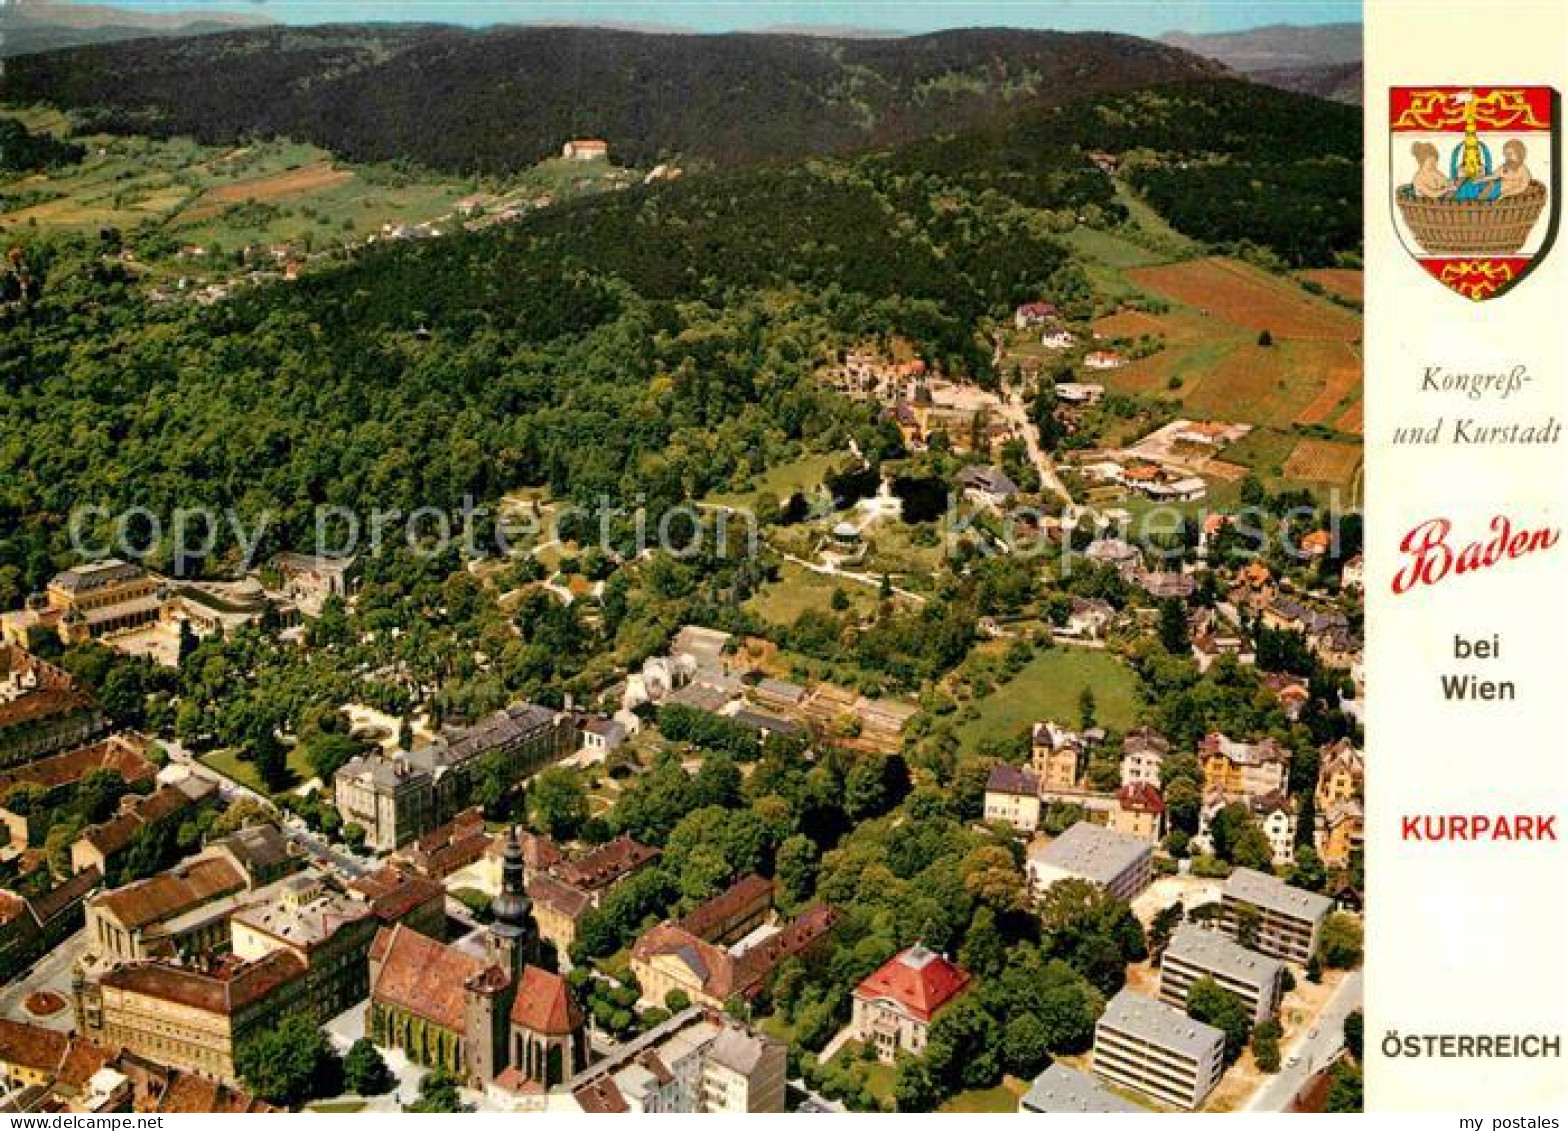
{"x": 1049, "y": 687}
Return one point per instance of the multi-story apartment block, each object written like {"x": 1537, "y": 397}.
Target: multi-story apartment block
{"x": 1285, "y": 920}
{"x": 1194, "y": 953}
{"x": 1060, "y": 1090}
{"x": 1121, "y": 864}
{"x": 1156, "y": 1049}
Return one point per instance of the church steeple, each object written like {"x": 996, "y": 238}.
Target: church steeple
{"x": 514, "y": 937}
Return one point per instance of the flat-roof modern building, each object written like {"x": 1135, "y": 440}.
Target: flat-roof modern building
{"x": 1194, "y": 953}
{"x": 1156, "y": 1049}
{"x": 1061, "y": 1091}
{"x": 1288, "y": 919}
{"x": 1121, "y": 864}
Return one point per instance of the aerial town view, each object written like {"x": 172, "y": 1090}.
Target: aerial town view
{"x": 735, "y": 568}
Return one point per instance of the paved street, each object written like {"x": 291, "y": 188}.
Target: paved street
{"x": 230, "y": 790}
{"x": 51, "y": 972}
{"x": 1309, "y": 1054}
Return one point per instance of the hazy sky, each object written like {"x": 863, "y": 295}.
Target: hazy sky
{"x": 1140, "y": 18}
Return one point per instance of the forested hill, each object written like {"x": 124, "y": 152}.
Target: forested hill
{"x": 657, "y": 341}
{"x": 502, "y": 99}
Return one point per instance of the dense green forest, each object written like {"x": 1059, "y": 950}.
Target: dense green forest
{"x": 1224, "y": 161}
{"x": 510, "y": 96}
{"x": 23, "y": 152}
{"x": 657, "y": 341}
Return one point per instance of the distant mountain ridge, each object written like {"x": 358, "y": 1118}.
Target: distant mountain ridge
{"x": 503, "y": 98}
{"x": 45, "y": 25}
{"x": 1322, "y": 60}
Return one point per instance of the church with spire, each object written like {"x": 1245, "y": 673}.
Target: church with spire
{"x": 483, "y": 1008}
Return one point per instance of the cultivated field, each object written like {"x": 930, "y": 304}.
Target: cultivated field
{"x": 1322, "y": 461}
{"x": 1213, "y": 365}
{"x": 319, "y": 176}
{"x": 1249, "y": 298}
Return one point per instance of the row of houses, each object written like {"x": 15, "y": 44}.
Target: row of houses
{"x": 1255, "y": 774}
{"x": 47, "y": 1072}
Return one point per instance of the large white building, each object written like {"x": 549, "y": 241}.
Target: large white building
{"x": 1156, "y": 1049}
{"x": 1194, "y": 953}
{"x": 1060, "y": 1090}
{"x": 1288, "y": 920}
{"x": 1121, "y": 864}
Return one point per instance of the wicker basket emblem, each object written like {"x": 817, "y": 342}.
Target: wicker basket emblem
{"x": 1475, "y": 182}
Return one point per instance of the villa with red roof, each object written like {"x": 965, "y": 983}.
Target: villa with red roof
{"x": 895, "y": 1006}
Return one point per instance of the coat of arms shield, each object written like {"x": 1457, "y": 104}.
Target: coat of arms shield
{"x": 1475, "y": 176}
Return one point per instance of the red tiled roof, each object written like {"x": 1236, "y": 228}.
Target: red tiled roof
{"x": 422, "y": 976}
{"x": 122, "y": 756}
{"x": 172, "y": 893}
{"x": 919, "y": 980}
{"x": 601, "y": 1097}
{"x": 11, "y": 907}
{"x": 394, "y": 894}
{"x": 31, "y": 1046}
{"x": 1141, "y": 797}
{"x": 224, "y": 991}
{"x": 607, "y": 863}
{"x": 65, "y": 895}
{"x": 82, "y": 1060}
{"x": 117, "y": 832}
{"x": 545, "y": 1005}
{"x": 715, "y": 915}
{"x": 512, "y": 1079}
{"x": 42, "y": 705}
{"x": 189, "y": 1094}
{"x": 551, "y": 892}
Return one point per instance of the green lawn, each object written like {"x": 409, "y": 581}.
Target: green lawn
{"x": 228, "y": 763}
{"x": 1002, "y": 1098}
{"x": 799, "y": 589}
{"x": 1110, "y": 249}
{"x": 878, "y": 1077}
{"x": 804, "y": 474}
{"x": 1048, "y": 688}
